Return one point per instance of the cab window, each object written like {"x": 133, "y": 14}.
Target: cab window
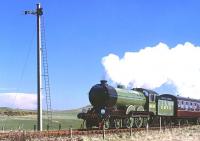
{"x": 151, "y": 97}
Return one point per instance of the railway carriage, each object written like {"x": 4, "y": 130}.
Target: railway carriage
{"x": 182, "y": 108}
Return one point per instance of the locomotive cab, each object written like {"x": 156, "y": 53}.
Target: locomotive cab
{"x": 152, "y": 102}
{"x": 151, "y": 97}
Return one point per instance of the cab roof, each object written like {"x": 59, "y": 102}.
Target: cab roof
{"x": 145, "y": 91}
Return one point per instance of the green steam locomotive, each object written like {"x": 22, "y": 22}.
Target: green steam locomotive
{"x": 119, "y": 107}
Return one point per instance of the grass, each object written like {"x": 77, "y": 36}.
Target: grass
{"x": 66, "y": 119}
{"x": 176, "y": 134}
{"x": 182, "y": 134}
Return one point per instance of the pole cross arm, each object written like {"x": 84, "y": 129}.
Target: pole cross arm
{"x": 39, "y": 11}
{"x": 30, "y": 12}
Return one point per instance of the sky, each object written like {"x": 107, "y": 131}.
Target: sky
{"x": 79, "y": 35}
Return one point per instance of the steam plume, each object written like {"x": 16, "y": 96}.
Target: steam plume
{"x": 153, "y": 67}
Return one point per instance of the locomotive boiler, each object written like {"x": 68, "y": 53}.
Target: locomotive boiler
{"x": 104, "y": 96}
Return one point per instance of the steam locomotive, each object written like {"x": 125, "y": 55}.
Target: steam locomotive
{"x": 137, "y": 107}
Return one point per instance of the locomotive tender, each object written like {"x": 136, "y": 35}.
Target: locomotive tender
{"x": 119, "y": 107}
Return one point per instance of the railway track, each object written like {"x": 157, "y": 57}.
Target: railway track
{"x": 22, "y": 135}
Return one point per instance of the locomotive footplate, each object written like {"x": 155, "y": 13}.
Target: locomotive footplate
{"x": 86, "y": 116}
{"x": 131, "y": 114}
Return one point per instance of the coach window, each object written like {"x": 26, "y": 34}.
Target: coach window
{"x": 194, "y": 106}
{"x": 186, "y": 105}
{"x": 191, "y": 107}
{"x": 179, "y": 103}
{"x": 182, "y": 105}
{"x": 197, "y": 106}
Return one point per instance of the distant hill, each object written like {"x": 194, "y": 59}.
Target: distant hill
{"x": 80, "y": 109}
{"x": 73, "y": 110}
{"x": 23, "y": 112}
{"x": 16, "y": 112}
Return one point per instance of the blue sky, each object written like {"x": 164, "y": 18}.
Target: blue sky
{"x": 79, "y": 34}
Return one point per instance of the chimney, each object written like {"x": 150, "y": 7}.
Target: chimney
{"x": 103, "y": 82}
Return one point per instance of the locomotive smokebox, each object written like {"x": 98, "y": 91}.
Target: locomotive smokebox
{"x": 103, "y": 95}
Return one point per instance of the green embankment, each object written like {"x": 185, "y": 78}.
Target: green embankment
{"x": 25, "y": 120}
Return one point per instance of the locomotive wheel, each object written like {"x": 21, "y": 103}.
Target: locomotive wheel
{"x": 198, "y": 121}
{"x": 83, "y": 124}
{"x": 106, "y": 124}
{"x": 88, "y": 125}
{"x": 117, "y": 123}
{"x": 145, "y": 121}
{"x": 138, "y": 122}
{"x": 129, "y": 122}
{"x": 186, "y": 122}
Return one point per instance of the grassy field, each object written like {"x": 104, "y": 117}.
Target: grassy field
{"x": 66, "y": 119}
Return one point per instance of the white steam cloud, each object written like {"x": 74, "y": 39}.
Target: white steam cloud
{"x": 18, "y": 100}
{"x": 153, "y": 67}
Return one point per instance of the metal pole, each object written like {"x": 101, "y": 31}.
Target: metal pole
{"x": 39, "y": 71}
{"x": 38, "y": 13}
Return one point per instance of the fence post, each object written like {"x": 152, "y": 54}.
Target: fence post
{"x": 19, "y": 127}
{"x": 24, "y": 136}
{"x": 160, "y": 123}
{"x": 3, "y": 129}
{"x": 59, "y": 127}
{"x": 34, "y": 127}
{"x": 170, "y": 124}
{"x": 103, "y": 131}
{"x": 71, "y": 132}
{"x": 130, "y": 131}
{"x": 147, "y": 127}
{"x": 47, "y": 127}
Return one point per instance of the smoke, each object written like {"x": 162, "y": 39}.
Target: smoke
{"x": 153, "y": 67}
